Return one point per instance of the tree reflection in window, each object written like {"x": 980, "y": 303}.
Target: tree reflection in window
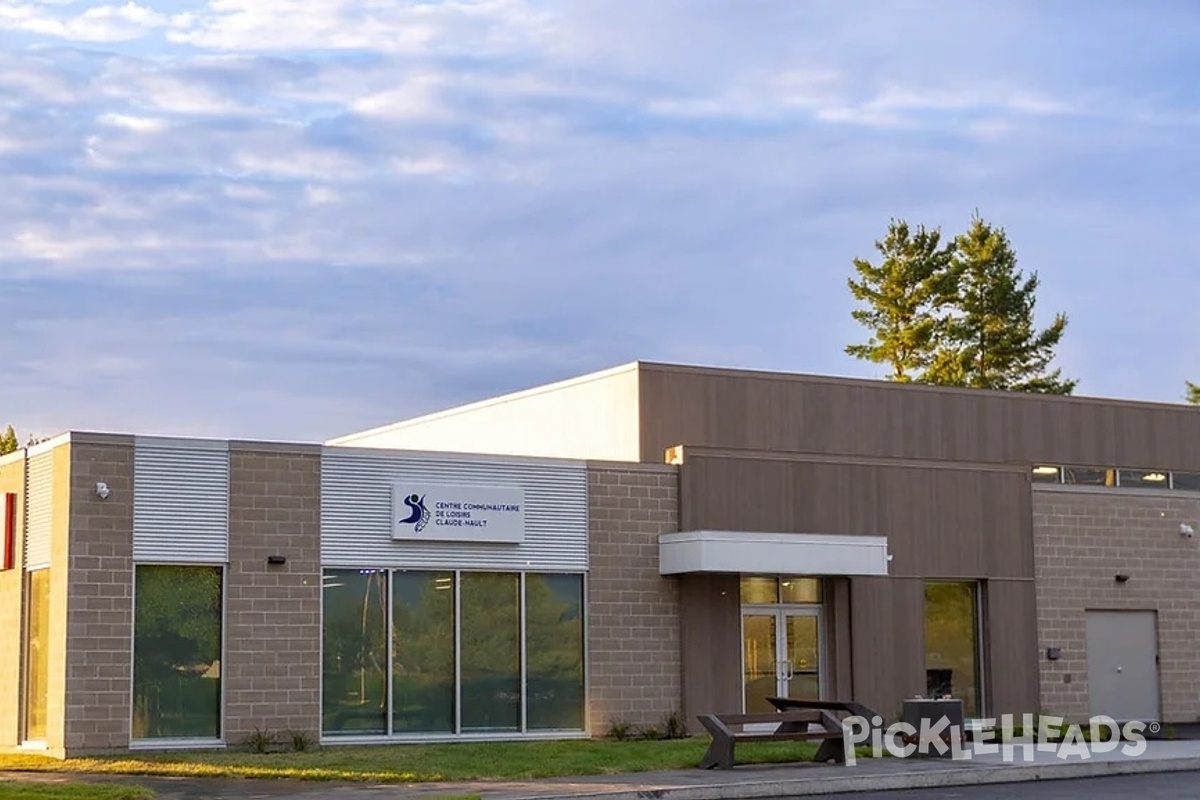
{"x": 177, "y": 652}
{"x": 354, "y": 668}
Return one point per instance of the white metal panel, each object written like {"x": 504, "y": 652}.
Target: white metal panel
{"x": 180, "y": 501}
{"x": 39, "y": 510}
{"x": 774, "y": 553}
{"x": 356, "y": 511}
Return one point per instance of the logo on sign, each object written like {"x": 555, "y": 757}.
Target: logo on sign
{"x": 429, "y": 512}
{"x": 418, "y": 514}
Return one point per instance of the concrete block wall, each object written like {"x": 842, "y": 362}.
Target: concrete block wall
{"x": 99, "y": 595}
{"x": 633, "y": 612}
{"x": 12, "y": 612}
{"x": 1082, "y": 539}
{"x": 272, "y": 671}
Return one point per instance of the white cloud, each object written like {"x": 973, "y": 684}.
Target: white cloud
{"x": 106, "y": 23}
{"x": 134, "y": 123}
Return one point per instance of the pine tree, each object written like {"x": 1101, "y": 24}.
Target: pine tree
{"x": 901, "y": 299}
{"x": 990, "y": 341}
{"x": 8, "y": 442}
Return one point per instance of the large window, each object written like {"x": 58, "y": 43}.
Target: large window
{"x": 464, "y": 652}
{"x": 354, "y": 672}
{"x": 177, "y": 652}
{"x": 37, "y": 655}
{"x": 952, "y": 643}
{"x": 491, "y": 651}
{"x": 423, "y": 697}
{"x": 554, "y": 637}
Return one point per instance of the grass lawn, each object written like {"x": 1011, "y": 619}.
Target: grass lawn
{"x": 413, "y": 763}
{"x": 34, "y": 790}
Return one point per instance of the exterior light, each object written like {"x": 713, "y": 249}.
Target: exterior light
{"x": 1155, "y": 477}
{"x": 1045, "y": 470}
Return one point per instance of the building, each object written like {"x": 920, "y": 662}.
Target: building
{"x": 617, "y": 547}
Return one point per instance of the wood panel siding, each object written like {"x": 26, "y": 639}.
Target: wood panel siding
{"x": 945, "y": 521}
{"x": 711, "y": 642}
{"x": 887, "y": 630}
{"x": 1011, "y": 647}
{"x": 808, "y": 414}
{"x": 835, "y": 606}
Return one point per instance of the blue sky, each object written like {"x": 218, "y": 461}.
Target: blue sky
{"x": 293, "y": 219}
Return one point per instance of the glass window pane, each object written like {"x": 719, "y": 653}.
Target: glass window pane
{"x": 760, "y": 590}
{"x": 1143, "y": 479}
{"x": 1085, "y": 476}
{"x": 177, "y": 652}
{"x": 422, "y": 652}
{"x": 760, "y": 654}
{"x": 952, "y": 644}
{"x": 1186, "y": 480}
{"x": 354, "y": 672}
{"x": 554, "y": 643}
{"x": 37, "y": 656}
{"x": 1047, "y": 474}
{"x": 800, "y": 590}
{"x": 491, "y": 652}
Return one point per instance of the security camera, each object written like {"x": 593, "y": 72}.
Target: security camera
{"x": 1186, "y": 530}
{"x": 102, "y": 490}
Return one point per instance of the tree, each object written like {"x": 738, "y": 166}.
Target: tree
{"x": 8, "y": 442}
{"x": 956, "y": 314}
{"x": 1193, "y": 393}
{"x": 902, "y": 297}
{"x": 991, "y": 341}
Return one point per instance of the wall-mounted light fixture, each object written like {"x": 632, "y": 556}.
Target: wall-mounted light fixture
{"x": 276, "y": 560}
{"x": 1053, "y": 653}
{"x": 1186, "y": 531}
{"x": 102, "y": 490}
{"x": 1121, "y": 577}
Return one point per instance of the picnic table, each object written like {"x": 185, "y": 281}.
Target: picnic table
{"x": 728, "y": 729}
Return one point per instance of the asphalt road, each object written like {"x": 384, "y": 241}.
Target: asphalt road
{"x": 1155, "y": 786}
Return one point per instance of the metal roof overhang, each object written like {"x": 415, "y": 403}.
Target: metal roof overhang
{"x": 771, "y": 553}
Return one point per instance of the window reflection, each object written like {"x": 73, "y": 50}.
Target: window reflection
{"x": 952, "y": 643}
{"x": 554, "y": 643}
{"x": 491, "y": 651}
{"x": 1142, "y": 479}
{"x": 177, "y": 652}
{"x": 423, "y": 652}
{"x": 354, "y": 679}
{"x": 37, "y": 656}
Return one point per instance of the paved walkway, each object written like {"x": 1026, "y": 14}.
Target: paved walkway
{"x": 741, "y": 783}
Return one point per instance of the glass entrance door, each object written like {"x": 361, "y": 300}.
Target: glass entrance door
{"x": 781, "y": 656}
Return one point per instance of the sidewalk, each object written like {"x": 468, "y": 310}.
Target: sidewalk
{"x": 741, "y": 783}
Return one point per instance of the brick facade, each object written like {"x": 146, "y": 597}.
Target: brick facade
{"x": 633, "y": 612}
{"x": 273, "y": 635}
{"x": 99, "y": 595}
{"x": 1082, "y": 539}
{"x": 12, "y": 480}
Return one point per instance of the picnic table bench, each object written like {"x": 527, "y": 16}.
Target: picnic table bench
{"x": 728, "y": 729}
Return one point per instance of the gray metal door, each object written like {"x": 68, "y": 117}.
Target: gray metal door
{"x": 1122, "y": 652}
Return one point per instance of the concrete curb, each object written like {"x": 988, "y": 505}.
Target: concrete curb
{"x": 876, "y": 782}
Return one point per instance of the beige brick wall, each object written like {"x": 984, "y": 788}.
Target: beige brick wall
{"x": 1082, "y": 539}
{"x": 12, "y": 479}
{"x": 273, "y": 634}
{"x": 633, "y": 612}
{"x": 99, "y": 595}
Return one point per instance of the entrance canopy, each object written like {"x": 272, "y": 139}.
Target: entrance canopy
{"x": 771, "y": 553}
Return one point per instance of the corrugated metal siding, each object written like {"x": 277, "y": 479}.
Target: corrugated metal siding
{"x": 180, "y": 502}
{"x": 39, "y": 511}
{"x": 356, "y": 511}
